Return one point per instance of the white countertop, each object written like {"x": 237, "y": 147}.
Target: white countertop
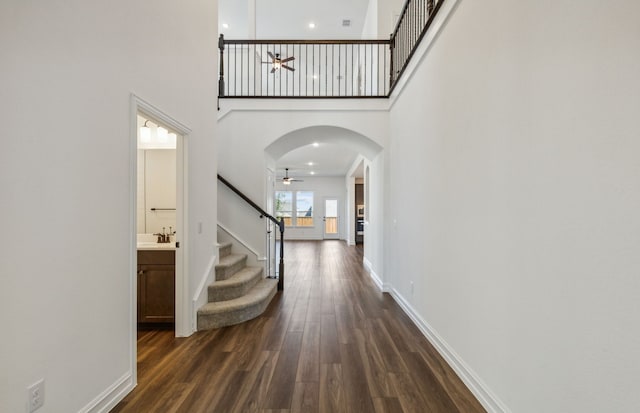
{"x": 148, "y": 242}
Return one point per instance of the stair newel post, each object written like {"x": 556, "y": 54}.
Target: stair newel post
{"x": 221, "y": 79}
{"x": 281, "y": 269}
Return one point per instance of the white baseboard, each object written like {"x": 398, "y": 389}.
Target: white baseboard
{"x": 111, "y": 396}
{"x": 480, "y": 390}
{"x": 376, "y": 279}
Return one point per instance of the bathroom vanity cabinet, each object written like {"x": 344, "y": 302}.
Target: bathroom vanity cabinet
{"x": 156, "y": 286}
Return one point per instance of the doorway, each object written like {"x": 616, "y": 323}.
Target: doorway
{"x": 330, "y": 218}
{"x": 166, "y": 164}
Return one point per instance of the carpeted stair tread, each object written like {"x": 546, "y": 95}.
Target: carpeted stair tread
{"x": 229, "y": 265}
{"x": 237, "y": 310}
{"x": 235, "y": 286}
{"x": 224, "y": 249}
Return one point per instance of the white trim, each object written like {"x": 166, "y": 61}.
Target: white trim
{"x": 111, "y": 396}
{"x": 244, "y": 244}
{"x": 201, "y": 295}
{"x": 479, "y": 389}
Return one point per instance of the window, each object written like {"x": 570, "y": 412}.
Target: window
{"x": 304, "y": 208}
{"x": 284, "y": 206}
{"x": 301, "y": 202}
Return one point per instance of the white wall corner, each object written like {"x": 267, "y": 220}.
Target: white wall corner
{"x": 109, "y": 398}
{"x": 479, "y": 389}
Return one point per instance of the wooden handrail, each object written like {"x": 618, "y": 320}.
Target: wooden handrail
{"x": 263, "y": 213}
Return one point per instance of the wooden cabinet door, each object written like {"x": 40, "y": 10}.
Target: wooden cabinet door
{"x": 156, "y": 293}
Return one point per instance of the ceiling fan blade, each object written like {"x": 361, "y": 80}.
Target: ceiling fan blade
{"x": 288, "y": 59}
{"x": 288, "y": 68}
{"x": 273, "y": 70}
{"x": 271, "y": 56}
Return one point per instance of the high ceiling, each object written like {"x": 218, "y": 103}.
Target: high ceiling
{"x": 290, "y": 19}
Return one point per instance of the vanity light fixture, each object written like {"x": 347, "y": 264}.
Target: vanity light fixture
{"x": 145, "y": 133}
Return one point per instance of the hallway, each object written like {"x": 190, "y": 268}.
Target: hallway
{"x": 330, "y": 343}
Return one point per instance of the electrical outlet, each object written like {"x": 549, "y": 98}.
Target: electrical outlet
{"x": 35, "y": 396}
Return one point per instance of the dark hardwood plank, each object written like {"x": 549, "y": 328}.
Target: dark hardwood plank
{"x": 356, "y": 389}
{"x": 331, "y": 389}
{"x": 329, "y": 346}
{"x": 309, "y": 363}
{"x": 306, "y": 398}
{"x": 387, "y": 405}
{"x": 284, "y": 377}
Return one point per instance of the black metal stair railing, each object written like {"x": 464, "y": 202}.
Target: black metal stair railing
{"x": 263, "y": 214}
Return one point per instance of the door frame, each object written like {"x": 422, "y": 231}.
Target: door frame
{"x": 324, "y": 215}
{"x": 182, "y": 304}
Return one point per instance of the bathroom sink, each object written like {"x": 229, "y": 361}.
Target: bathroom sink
{"x": 149, "y": 242}
{"x": 144, "y": 245}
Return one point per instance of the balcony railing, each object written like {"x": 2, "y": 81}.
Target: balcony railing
{"x": 323, "y": 68}
{"x": 304, "y": 68}
{"x": 413, "y": 23}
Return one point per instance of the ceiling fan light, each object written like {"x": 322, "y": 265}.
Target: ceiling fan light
{"x": 286, "y": 182}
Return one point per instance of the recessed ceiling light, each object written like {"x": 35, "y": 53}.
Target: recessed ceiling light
{"x": 312, "y": 25}
{"x": 312, "y": 173}
{"x": 315, "y": 144}
{"x": 315, "y": 76}
{"x": 225, "y": 26}
{"x": 310, "y": 163}
{"x": 346, "y": 22}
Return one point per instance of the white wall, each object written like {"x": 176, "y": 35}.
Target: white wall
{"x": 514, "y": 200}
{"x": 322, "y": 188}
{"x": 68, "y": 69}
{"x": 381, "y": 18}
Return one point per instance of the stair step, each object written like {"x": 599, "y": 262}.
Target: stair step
{"x": 229, "y": 265}
{"x": 235, "y": 286}
{"x": 224, "y": 249}
{"x": 237, "y": 310}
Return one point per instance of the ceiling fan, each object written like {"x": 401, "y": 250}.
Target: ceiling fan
{"x": 278, "y": 63}
{"x": 287, "y": 180}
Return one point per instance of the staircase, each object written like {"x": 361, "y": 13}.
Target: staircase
{"x": 239, "y": 293}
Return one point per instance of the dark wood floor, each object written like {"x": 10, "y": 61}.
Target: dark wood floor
{"x": 330, "y": 343}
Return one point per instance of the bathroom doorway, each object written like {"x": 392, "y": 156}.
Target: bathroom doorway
{"x": 159, "y": 273}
